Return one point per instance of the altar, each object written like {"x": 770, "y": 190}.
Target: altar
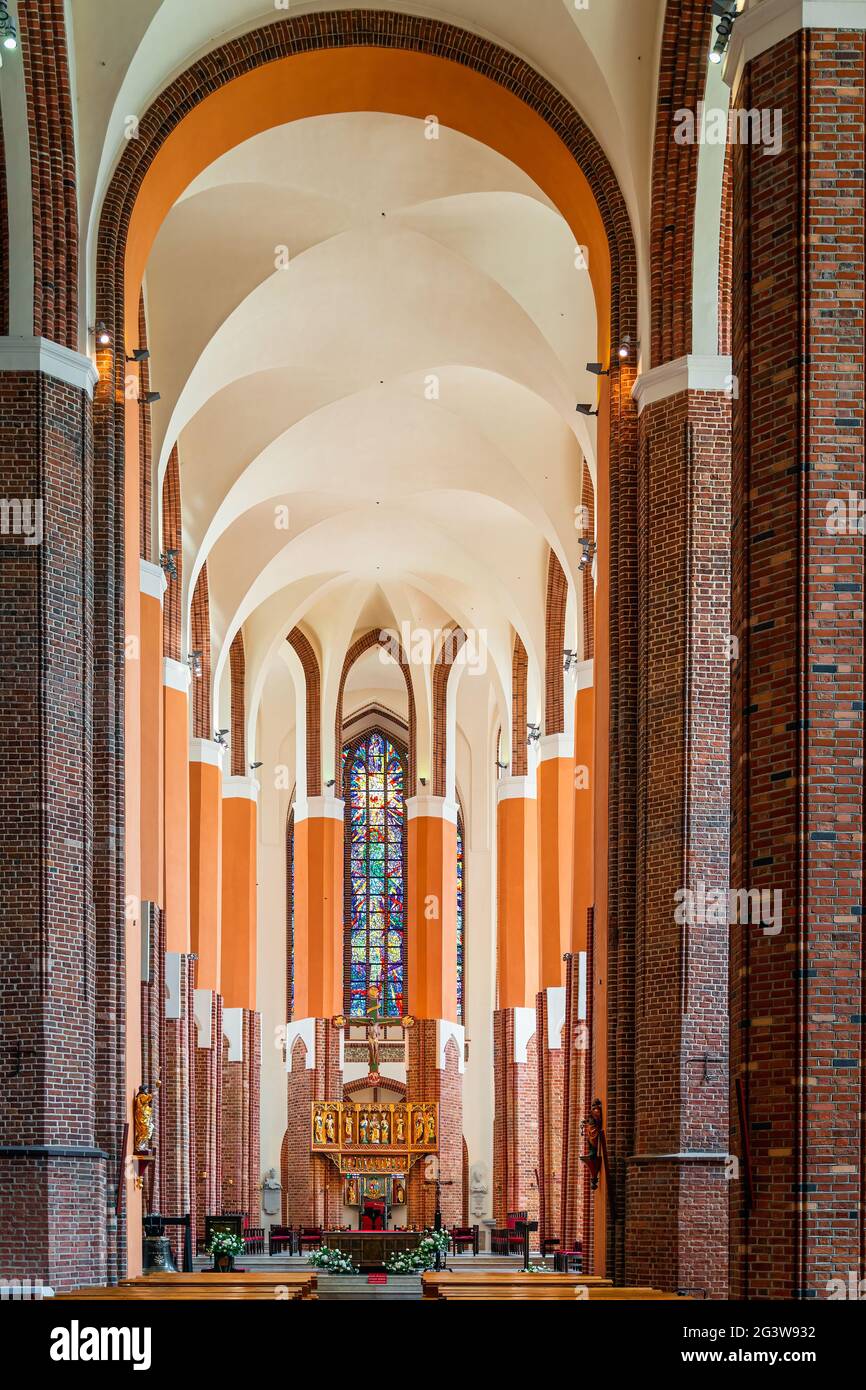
{"x": 371, "y": 1249}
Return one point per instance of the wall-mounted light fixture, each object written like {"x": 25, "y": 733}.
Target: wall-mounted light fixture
{"x": 139, "y": 355}
{"x": 8, "y": 32}
{"x": 101, "y": 334}
{"x": 588, "y": 548}
{"x": 534, "y": 735}
{"x": 568, "y": 659}
{"x": 726, "y": 12}
{"x": 194, "y": 661}
{"x": 585, "y": 410}
{"x": 597, "y": 369}
{"x": 220, "y": 737}
{"x": 168, "y": 563}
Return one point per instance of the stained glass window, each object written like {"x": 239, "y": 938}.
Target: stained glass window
{"x": 460, "y": 932}
{"x": 374, "y": 784}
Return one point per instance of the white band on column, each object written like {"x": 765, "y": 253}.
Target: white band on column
{"x": 517, "y": 789}
{"x": 152, "y": 580}
{"x": 683, "y": 374}
{"x": 433, "y": 807}
{"x": 763, "y": 25}
{"x": 241, "y": 788}
{"x": 176, "y": 675}
{"x": 205, "y": 750}
{"x": 51, "y": 359}
{"x": 556, "y": 746}
{"x": 318, "y": 808}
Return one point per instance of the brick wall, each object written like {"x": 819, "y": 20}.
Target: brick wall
{"x": 177, "y": 1157}
{"x": 241, "y": 1111}
{"x": 551, "y": 1101}
{"x": 172, "y": 539}
{"x": 208, "y": 1120}
{"x": 312, "y": 1186}
{"x": 425, "y": 1081}
{"x": 202, "y": 713}
{"x": 515, "y": 1125}
{"x": 796, "y": 999}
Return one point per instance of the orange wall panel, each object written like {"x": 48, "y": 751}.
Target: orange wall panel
{"x": 205, "y": 866}
{"x": 176, "y": 819}
{"x": 318, "y": 917}
{"x": 151, "y": 734}
{"x": 239, "y": 903}
{"x": 431, "y": 917}
{"x": 584, "y": 736}
{"x": 555, "y": 849}
{"x": 517, "y": 902}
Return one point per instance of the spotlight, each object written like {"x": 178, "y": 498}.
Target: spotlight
{"x": 151, "y": 397}
{"x": 7, "y": 28}
{"x": 139, "y": 355}
{"x": 101, "y": 334}
{"x": 625, "y": 348}
{"x": 568, "y": 659}
{"x": 254, "y": 766}
{"x": 597, "y": 369}
{"x": 423, "y": 781}
{"x": 534, "y": 733}
{"x": 726, "y": 13}
{"x": 585, "y": 410}
{"x": 331, "y": 783}
{"x": 220, "y": 737}
{"x": 584, "y": 563}
{"x": 194, "y": 661}
{"x": 715, "y": 57}
{"x": 168, "y": 563}
{"x": 503, "y": 767}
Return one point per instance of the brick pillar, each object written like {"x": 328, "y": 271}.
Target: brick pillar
{"x": 241, "y": 1109}
{"x": 436, "y": 1051}
{"x": 796, "y": 1003}
{"x": 313, "y": 1187}
{"x": 63, "y": 1101}
{"x": 671, "y": 1189}
{"x": 152, "y": 1035}
{"x": 208, "y": 1106}
{"x": 177, "y": 1097}
{"x": 515, "y": 1126}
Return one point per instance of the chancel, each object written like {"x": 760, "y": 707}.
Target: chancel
{"x": 431, "y": 476}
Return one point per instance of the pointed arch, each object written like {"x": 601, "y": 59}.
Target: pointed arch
{"x": 301, "y": 644}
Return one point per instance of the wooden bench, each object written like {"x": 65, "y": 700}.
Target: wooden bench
{"x": 133, "y": 1294}
{"x": 435, "y": 1284}
{"x": 255, "y": 1284}
{"x": 480, "y": 1295}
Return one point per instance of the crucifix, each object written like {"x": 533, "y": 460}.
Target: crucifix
{"x": 374, "y": 1026}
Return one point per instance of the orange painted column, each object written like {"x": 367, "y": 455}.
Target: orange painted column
{"x": 176, "y": 819}
{"x": 431, "y": 902}
{"x": 151, "y": 734}
{"x": 318, "y": 859}
{"x": 205, "y": 859}
{"x": 517, "y": 893}
{"x": 584, "y": 751}
{"x": 555, "y": 855}
{"x": 238, "y": 969}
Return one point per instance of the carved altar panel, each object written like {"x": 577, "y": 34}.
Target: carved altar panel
{"x": 374, "y": 1136}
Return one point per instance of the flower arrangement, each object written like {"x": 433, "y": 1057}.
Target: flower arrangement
{"x": 332, "y": 1261}
{"x": 225, "y": 1243}
{"x": 422, "y": 1257}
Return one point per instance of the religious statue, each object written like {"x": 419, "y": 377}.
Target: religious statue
{"x": 330, "y": 1127}
{"x": 363, "y": 1127}
{"x": 419, "y": 1127}
{"x": 271, "y": 1189}
{"x": 373, "y": 1003}
{"x": 374, "y": 1129}
{"x": 399, "y": 1127}
{"x": 398, "y": 1193}
{"x": 349, "y": 1126}
{"x": 386, "y": 1129}
{"x": 142, "y": 1118}
{"x": 592, "y": 1130}
{"x": 430, "y": 1127}
{"x": 319, "y": 1127}
{"x": 478, "y": 1188}
{"x": 352, "y": 1197}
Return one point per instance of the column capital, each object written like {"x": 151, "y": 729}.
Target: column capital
{"x": 241, "y": 788}
{"x": 692, "y": 373}
{"x": 318, "y": 808}
{"x": 176, "y": 675}
{"x": 206, "y": 750}
{"x": 765, "y": 23}
{"x": 152, "y": 580}
{"x": 517, "y": 789}
{"x": 433, "y": 807}
{"x": 25, "y": 354}
{"x": 556, "y": 746}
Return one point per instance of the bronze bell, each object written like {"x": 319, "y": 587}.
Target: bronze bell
{"x": 158, "y": 1256}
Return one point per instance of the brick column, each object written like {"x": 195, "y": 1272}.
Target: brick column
{"x": 515, "y": 1125}
{"x": 555, "y": 891}
{"x": 436, "y": 1045}
{"x": 207, "y": 1106}
{"x": 796, "y": 1000}
{"x": 435, "y": 1067}
{"x": 671, "y": 1190}
{"x": 57, "y": 1176}
{"x": 177, "y": 1158}
{"x": 205, "y": 805}
{"x": 314, "y": 1065}
{"x": 152, "y": 716}
{"x": 241, "y": 1110}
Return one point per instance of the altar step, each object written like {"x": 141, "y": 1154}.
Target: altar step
{"x": 355, "y": 1286}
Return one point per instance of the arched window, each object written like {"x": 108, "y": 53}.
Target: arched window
{"x": 461, "y": 908}
{"x": 374, "y": 787}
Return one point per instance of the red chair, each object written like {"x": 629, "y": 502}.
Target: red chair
{"x": 463, "y": 1238}
{"x": 507, "y": 1240}
{"x": 281, "y": 1238}
{"x": 254, "y": 1240}
{"x": 310, "y": 1238}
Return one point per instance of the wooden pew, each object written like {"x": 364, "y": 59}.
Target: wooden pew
{"x": 305, "y": 1279}
{"x": 259, "y": 1284}
{"x": 560, "y": 1295}
{"x": 434, "y": 1284}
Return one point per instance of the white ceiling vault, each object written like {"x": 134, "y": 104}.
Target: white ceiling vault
{"x": 369, "y": 346}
